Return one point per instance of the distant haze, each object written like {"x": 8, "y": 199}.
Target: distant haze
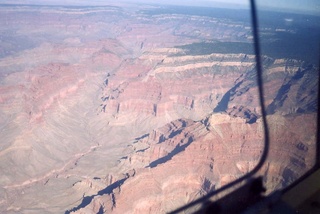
{"x": 297, "y": 6}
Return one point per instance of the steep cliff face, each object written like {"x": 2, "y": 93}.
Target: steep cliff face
{"x": 157, "y": 88}
{"x": 184, "y": 160}
{"x": 187, "y": 158}
{"x": 289, "y": 88}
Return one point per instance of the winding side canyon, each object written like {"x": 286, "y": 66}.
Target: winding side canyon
{"x": 106, "y": 110}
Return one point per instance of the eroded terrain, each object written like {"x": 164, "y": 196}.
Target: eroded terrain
{"x": 105, "y": 109}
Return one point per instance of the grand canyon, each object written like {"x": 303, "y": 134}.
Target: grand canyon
{"x": 140, "y": 108}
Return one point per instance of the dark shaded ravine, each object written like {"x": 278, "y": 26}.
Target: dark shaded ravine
{"x": 108, "y": 190}
{"x": 179, "y": 148}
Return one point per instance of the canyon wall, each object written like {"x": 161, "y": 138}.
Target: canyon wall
{"x": 104, "y": 110}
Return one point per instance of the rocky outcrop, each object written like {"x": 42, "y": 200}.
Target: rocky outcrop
{"x": 202, "y": 156}
{"x": 285, "y": 89}
{"x": 193, "y": 157}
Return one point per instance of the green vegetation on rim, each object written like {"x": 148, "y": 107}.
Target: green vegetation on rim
{"x": 298, "y": 46}
{"x": 204, "y": 48}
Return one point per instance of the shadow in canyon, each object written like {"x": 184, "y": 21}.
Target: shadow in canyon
{"x": 179, "y": 148}
{"x": 108, "y": 190}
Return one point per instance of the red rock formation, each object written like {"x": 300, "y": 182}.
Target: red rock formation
{"x": 166, "y": 177}
{"x": 101, "y": 111}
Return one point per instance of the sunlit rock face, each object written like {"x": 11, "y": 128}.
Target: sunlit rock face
{"x": 104, "y": 110}
{"x": 199, "y": 157}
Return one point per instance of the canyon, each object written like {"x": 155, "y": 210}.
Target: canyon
{"x": 113, "y": 109}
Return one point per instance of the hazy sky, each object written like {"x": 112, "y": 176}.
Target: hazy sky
{"x": 308, "y": 6}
